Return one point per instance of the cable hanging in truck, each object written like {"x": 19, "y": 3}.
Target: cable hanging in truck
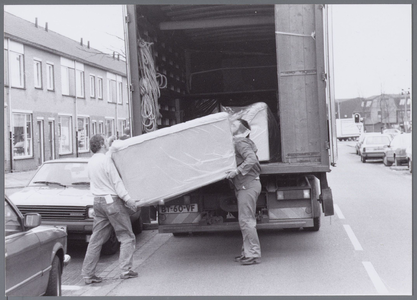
{"x": 150, "y": 84}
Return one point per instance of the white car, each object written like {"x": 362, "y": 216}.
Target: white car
{"x": 373, "y": 146}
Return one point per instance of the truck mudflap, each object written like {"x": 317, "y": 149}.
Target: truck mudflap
{"x": 326, "y": 199}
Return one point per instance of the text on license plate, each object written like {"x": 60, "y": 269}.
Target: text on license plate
{"x": 175, "y": 209}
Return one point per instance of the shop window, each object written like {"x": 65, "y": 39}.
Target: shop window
{"x": 65, "y": 134}
{"x": 22, "y": 135}
{"x": 83, "y": 134}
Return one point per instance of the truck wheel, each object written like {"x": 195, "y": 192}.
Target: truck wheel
{"x": 54, "y": 282}
{"x": 137, "y": 226}
{"x": 316, "y": 225}
{"x": 386, "y": 162}
{"x": 111, "y": 246}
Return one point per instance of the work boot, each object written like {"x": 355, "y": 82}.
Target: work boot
{"x": 92, "y": 279}
{"x": 250, "y": 260}
{"x": 129, "y": 274}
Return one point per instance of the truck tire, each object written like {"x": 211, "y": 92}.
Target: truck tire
{"x": 111, "y": 246}
{"x": 54, "y": 282}
{"x": 137, "y": 226}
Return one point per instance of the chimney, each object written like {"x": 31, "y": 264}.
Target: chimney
{"x": 46, "y": 26}
{"x": 36, "y": 22}
{"x": 81, "y": 42}
{"x": 88, "y": 44}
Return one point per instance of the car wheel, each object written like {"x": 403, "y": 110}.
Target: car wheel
{"x": 137, "y": 226}
{"x": 111, "y": 246}
{"x": 54, "y": 282}
{"x": 363, "y": 159}
{"x": 386, "y": 162}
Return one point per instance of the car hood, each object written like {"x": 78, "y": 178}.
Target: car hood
{"x": 53, "y": 196}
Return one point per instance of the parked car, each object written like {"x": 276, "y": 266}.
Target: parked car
{"x": 392, "y": 132}
{"x": 35, "y": 255}
{"x": 395, "y": 151}
{"x": 60, "y": 192}
{"x": 409, "y": 154}
{"x": 373, "y": 146}
{"x": 359, "y": 142}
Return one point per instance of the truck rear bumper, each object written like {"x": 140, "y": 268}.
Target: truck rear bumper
{"x": 234, "y": 226}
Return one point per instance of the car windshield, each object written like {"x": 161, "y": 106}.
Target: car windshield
{"x": 377, "y": 140}
{"x": 62, "y": 174}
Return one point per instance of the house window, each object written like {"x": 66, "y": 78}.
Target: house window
{"x": 22, "y": 135}
{"x": 80, "y": 80}
{"x": 121, "y": 126}
{"x": 100, "y": 88}
{"x": 65, "y": 134}
{"x": 93, "y": 128}
{"x": 16, "y": 72}
{"x": 101, "y": 127}
{"x": 112, "y": 91}
{"x": 120, "y": 92}
{"x": 50, "y": 84}
{"x": 368, "y": 103}
{"x": 37, "y": 74}
{"x": 92, "y": 86}
{"x": 109, "y": 127}
{"x": 68, "y": 77}
{"x": 83, "y": 133}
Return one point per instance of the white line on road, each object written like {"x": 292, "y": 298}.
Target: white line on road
{"x": 352, "y": 237}
{"x": 338, "y": 211}
{"x": 376, "y": 280}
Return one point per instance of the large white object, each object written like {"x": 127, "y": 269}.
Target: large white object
{"x": 169, "y": 162}
{"x": 257, "y": 117}
{"x": 347, "y": 128}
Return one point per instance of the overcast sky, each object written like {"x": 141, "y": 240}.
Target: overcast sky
{"x": 372, "y": 43}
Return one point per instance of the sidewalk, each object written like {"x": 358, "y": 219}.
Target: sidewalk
{"x": 17, "y": 179}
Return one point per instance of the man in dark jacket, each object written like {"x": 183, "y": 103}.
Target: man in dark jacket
{"x": 247, "y": 189}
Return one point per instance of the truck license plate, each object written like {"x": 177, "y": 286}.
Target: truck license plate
{"x": 176, "y": 209}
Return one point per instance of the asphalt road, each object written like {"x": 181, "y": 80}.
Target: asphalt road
{"x": 364, "y": 249}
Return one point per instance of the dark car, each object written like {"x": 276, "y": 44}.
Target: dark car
{"x": 35, "y": 255}
{"x": 60, "y": 192}
{"x": 395, "y": 152}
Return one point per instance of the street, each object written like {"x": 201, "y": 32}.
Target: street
{"x": 364, "y": 249}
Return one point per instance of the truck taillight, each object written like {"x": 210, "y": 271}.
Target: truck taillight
{"x": 306, "y": 194}
{"x": 293, "y": 194}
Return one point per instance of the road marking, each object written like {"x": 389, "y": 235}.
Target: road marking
{"x": 352, "y": 237}
{"x": 338, "y": 211}
{"x": 376, "y": 280}
{"x": 71, "y": 287}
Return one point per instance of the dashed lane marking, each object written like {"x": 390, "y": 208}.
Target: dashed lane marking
{"x": 352, "y": 237}
{"x": 376, "y": 280}
{"x": 338, "y": 211}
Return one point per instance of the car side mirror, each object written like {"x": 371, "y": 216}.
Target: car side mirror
{"x": 32, "y": 220}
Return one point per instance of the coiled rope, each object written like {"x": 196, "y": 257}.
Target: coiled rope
{"x": 150, "y": 84}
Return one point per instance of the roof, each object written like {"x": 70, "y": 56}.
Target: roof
{"x": 26, "y": 32}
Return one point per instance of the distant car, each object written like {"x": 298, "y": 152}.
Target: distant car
{"x": 35, "y": 255}
{"x": 60, "y": 192}
{"x": 395, "y": 152}
{"x": 392, "y": 132}
{"x": 409, "y": 154}
{"x": 373, "y": 146}
{"x": 359, "y": 142}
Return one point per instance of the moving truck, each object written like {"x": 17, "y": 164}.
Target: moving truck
{"x": 347, "y": 129}
{"x": 205, "y": 57}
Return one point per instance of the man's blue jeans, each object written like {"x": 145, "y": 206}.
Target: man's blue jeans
{"x": 108, "y": 217}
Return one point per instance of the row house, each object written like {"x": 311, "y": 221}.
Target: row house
{"x": 57, "y": 94}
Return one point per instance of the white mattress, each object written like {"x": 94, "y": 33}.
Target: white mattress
{"x": 169, "y": 162}
{"x": 257, "y": 117}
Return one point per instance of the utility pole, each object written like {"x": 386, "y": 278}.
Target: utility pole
{"x": 405, "y": 119}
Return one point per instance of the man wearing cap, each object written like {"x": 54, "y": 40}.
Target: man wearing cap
{"x": 247, "y": 189}
{"x": 112, "y": 203}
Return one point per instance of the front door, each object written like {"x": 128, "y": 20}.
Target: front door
{"x": 41, "y": 142}
{"x": 51, "y": 139}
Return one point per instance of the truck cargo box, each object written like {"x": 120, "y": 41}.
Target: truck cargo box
{"x": 172, "y": 161}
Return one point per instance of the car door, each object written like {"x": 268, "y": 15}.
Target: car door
{"x": 23, "y": 270}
